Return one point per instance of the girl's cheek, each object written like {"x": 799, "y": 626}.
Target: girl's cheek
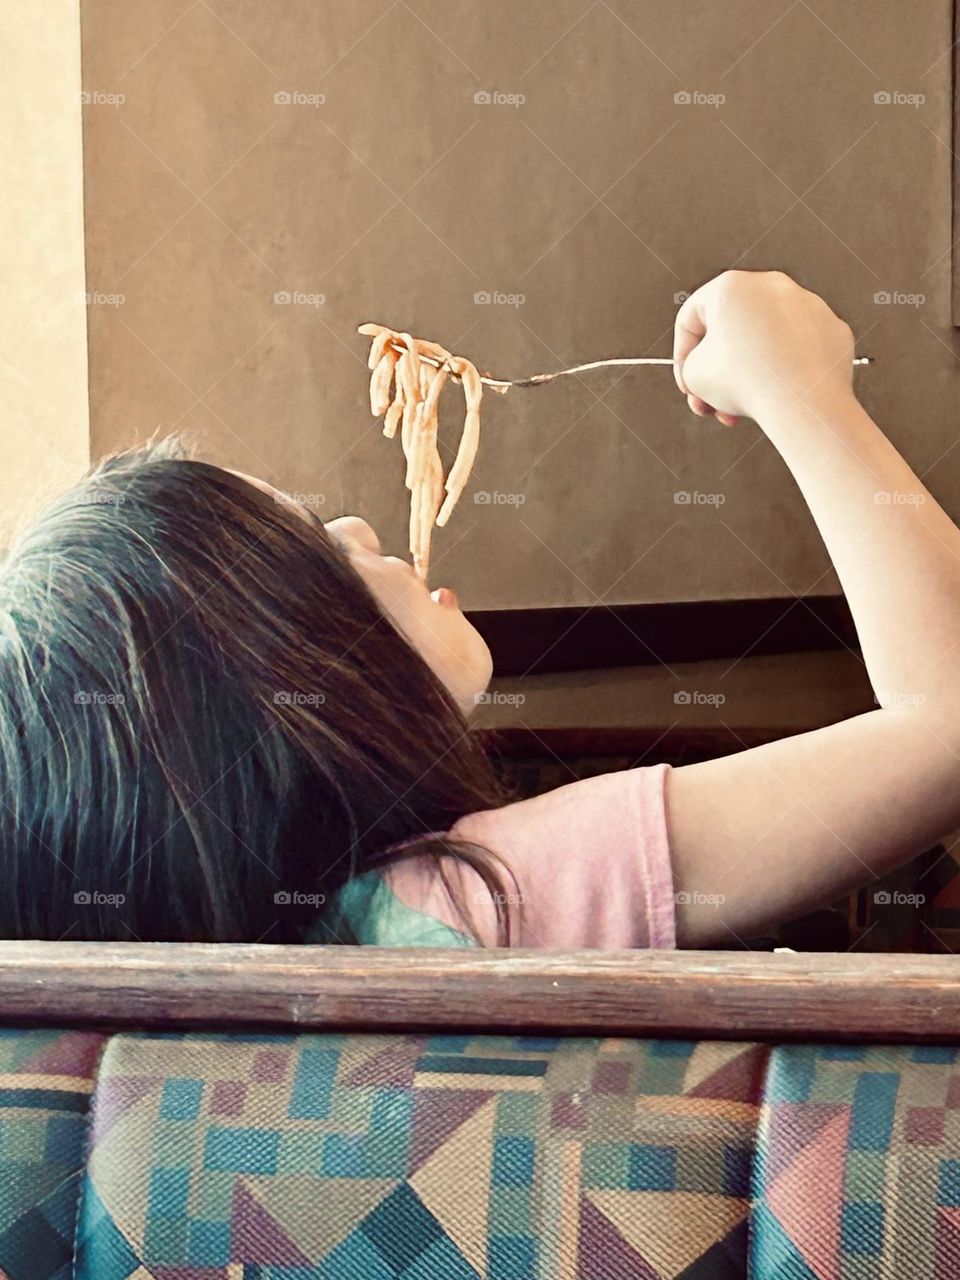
{"x": 398, "y": 595}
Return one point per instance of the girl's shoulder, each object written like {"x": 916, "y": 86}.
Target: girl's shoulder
{"x": 586, "y": 865}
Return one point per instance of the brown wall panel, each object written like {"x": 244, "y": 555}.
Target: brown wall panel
{"x": 599, "y": 198}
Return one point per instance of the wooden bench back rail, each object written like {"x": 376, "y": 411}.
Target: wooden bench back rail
{"x": 691, "y": 994}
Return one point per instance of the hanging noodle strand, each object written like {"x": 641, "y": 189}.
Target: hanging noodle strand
{"x": 405, "y": 391}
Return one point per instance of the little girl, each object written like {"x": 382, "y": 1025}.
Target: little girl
{"x": 223, "y": 720}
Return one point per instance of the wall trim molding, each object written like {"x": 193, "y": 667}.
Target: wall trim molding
{"x": 534, "y": 641}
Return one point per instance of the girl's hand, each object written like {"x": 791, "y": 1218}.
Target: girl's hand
{"x": 753, "y": 343}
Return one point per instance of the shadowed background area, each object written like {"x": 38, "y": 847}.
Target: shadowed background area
{"x": 534, "y": 186}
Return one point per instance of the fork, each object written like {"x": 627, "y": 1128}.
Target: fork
{"x": 502, "y": 385}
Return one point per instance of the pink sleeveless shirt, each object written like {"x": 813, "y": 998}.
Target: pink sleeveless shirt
{"x": 587, "y": 866}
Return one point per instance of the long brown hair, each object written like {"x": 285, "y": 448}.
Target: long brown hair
{"x": 207, "y": 723}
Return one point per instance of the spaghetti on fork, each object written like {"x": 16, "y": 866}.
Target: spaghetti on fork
{"x": 407, "y": 376}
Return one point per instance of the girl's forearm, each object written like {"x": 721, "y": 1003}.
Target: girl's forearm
{"x": 896, "y": 551}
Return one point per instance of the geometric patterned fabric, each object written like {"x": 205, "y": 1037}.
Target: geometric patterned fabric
{"x": 46, "y": 1080}
{"x": 364, "y": 1157}
{"x": 858, "y": 1165}
{"x": 391, "y": 1157}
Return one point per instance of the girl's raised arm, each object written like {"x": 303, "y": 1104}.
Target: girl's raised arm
{"x": 777, "y": 829}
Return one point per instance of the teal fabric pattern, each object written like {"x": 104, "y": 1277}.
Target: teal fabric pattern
{"x": 858, "y": 1176}
{"x": 46, "y": 1082}
{"x": 365, "y": 1157}
{"x": 160, "y": 1156}
{"x": 376, "y": 917}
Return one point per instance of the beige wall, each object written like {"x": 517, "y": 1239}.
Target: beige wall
{"x": 43, "y": 355}
{"x": 599, "y": 199}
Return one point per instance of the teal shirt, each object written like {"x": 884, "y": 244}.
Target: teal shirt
{"x": 377, "y": 918}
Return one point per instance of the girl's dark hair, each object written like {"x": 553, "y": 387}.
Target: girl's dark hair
{"x": 207, "y": 724}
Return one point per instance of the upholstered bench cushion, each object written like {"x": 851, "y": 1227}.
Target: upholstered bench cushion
{"x": 858, "y": 1168}
{"x": 348, "y": 1157}
{"x": 46, "y": 1082}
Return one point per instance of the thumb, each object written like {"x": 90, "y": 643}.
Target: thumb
{"x": 689, "y": 329}
{"x": 697, "y": 380}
